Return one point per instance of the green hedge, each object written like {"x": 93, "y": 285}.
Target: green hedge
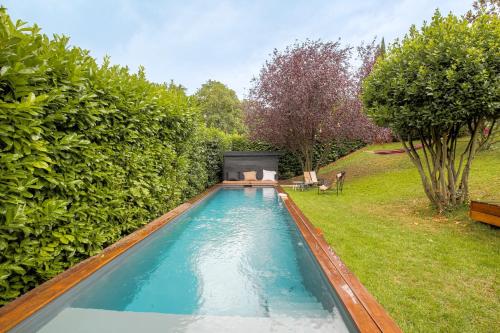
{"x": 88, "y": 154}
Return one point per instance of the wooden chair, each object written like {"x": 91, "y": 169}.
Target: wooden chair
{"x": 315, "y": 180}
{"x": 339, "y": 182}
{"x": 339, "y": 179}
{"x": 310, "y": 178}
{"x": 307, "y": 178}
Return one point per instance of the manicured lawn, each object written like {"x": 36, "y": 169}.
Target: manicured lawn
{"x": 432, "y": 273}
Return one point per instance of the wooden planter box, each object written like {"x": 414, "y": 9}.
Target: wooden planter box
{"x": 485, "y": 212}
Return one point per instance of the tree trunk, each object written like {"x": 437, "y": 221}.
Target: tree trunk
{"x": 488, "y": 139}
{"x": 306, "y": 153}
{"x": 445, "y": 182}
{"x": 326, "y": 149}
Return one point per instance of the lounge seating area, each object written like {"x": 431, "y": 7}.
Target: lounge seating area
{"x": 329, "y": 185}
{"x": 250, "y": 168}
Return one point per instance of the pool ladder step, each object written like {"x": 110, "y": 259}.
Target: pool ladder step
{"x": 307, "y": 309}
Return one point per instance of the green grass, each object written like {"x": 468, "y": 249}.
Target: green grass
{"x": 432, "y": 273}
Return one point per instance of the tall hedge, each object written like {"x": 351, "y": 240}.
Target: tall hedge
{"x": 89, "y": 153}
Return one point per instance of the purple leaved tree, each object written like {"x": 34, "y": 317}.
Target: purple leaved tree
{"x": 370, "y": 132}
{"x": 305, "y": 96}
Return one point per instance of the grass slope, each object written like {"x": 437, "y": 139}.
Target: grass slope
{"x": 432, "y": 273}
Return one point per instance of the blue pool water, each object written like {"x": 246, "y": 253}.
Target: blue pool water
{"x": 238, "y": 254}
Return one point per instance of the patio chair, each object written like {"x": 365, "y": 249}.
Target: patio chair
{"x": 315, "y": 179}
{"x": 339, "y": 179}
{"x": 310, "y": 178}
{"x": 339, "y": 182}
{"x": 327, "y": 185}
{"x": 307, "y": 178}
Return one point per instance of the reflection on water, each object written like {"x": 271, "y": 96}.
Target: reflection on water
{"x": 237, "y": 254}
{"x": 250, "y": 192}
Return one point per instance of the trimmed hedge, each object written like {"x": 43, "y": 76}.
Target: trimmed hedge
{"x": 88, "y": 154}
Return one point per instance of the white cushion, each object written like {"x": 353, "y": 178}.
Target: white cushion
{"x": 314, "y": 178}
{"x": 268, "y": 175}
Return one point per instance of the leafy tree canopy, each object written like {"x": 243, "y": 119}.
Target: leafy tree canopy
{"x": 307, "y": 95}
{"x": 220, "y": 107}
{"x": 437, "y": 80}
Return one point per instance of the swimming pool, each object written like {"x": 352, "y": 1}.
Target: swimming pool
{"x": 235, "y": 262}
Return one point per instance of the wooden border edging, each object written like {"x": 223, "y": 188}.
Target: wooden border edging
{"x": 26, "y": 305}
{"x": 485, "y": 212}
{"x": 367, "y": 314}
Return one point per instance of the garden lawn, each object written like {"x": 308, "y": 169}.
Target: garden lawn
{"x": 431, "y": 273}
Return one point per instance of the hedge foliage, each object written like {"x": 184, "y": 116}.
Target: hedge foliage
{"x": 89, "y": 153}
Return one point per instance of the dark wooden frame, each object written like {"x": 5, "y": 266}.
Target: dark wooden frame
{"x": 367, "y": 314}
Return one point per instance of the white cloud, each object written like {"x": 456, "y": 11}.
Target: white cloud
{"x": 193, "y": 41}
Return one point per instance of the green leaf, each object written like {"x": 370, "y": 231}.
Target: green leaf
{"x": 40, "y": 165}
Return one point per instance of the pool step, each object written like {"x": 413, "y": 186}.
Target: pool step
{"x": 97, "y": 321}
{"x": 311, "y": 310}
{"x": 306, "y": 306}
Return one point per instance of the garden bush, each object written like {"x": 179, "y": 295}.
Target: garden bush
{"x": 434, "y": 83}
{"x": 89, "y": 153}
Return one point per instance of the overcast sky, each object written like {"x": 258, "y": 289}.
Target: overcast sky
{"x": 193, "y": 41}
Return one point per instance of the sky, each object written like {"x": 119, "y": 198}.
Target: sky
{"x": 191, "y": 42}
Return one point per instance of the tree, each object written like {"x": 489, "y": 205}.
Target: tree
{"x": 294, "y": 102}
{"x": 479, "y": 7}
{"x": 364, "y": 127}
{"x": 382, "y": 47}
{"x": 220, "y": 107}
{"x": 488, "y": 135}
{"x": 437, "y": 80}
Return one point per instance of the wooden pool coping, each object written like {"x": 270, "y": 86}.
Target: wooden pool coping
{"x": 366, "y": 312}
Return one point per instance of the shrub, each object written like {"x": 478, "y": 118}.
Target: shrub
{"x": 88, "y": 154}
